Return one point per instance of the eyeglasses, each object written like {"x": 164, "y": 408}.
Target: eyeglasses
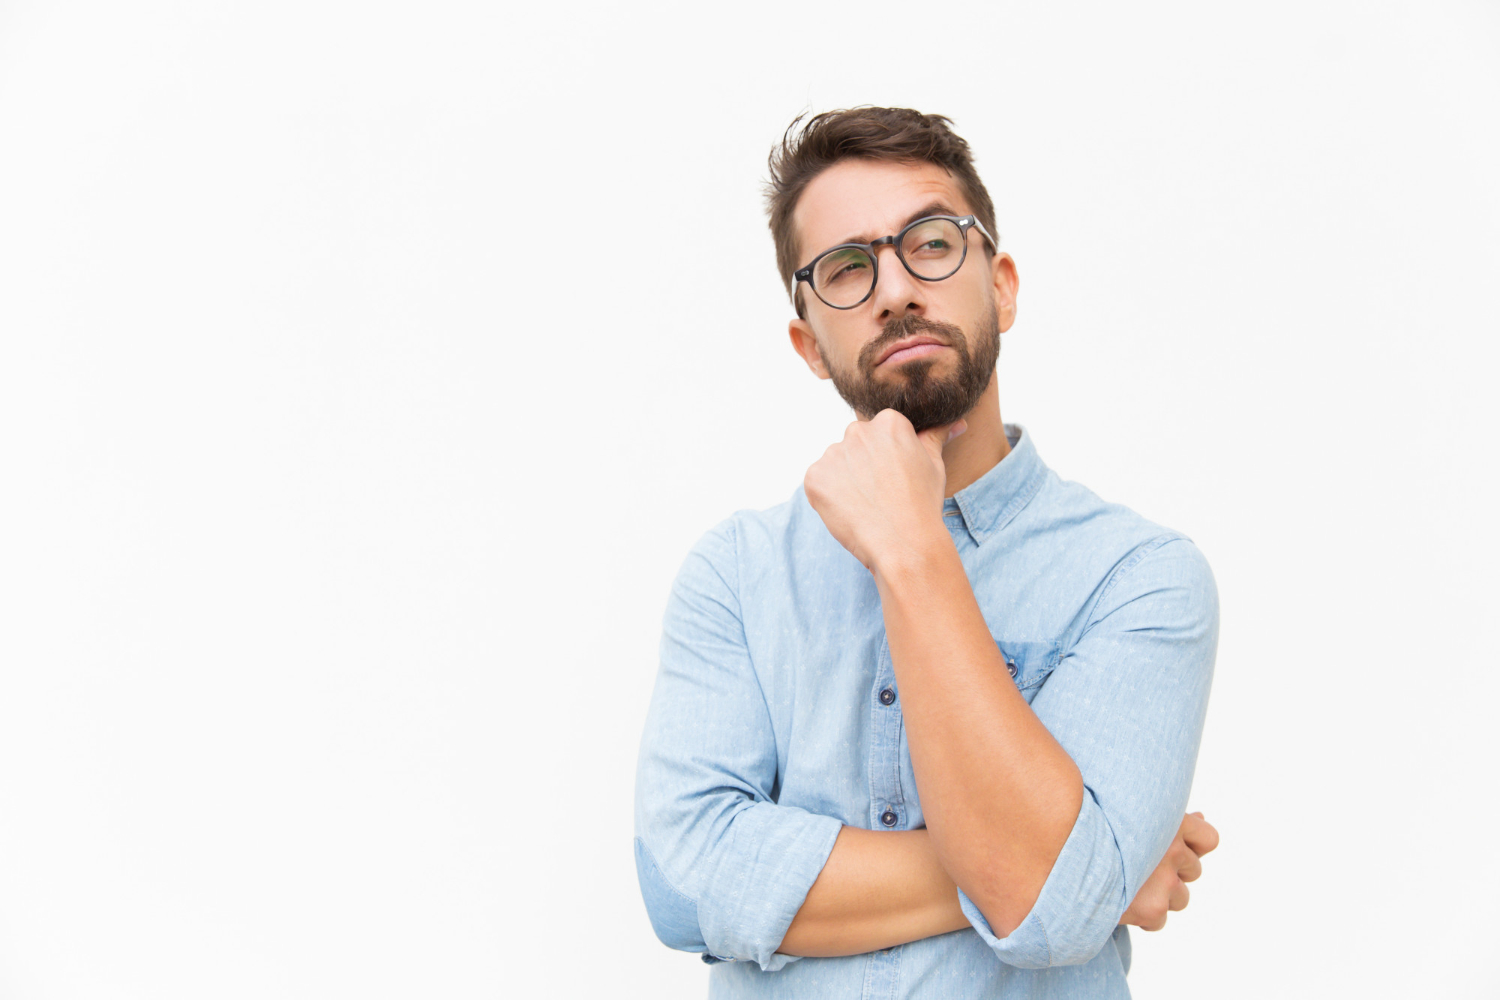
{"x": 932, "y": 248}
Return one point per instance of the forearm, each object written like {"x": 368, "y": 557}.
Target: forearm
{"x": 999, "y": 794}
{"x": 877, "y": 890}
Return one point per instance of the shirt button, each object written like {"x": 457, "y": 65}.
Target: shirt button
{"x": 1011, "y": 666}
{"x": 888, "y": 818}
{"x": 887, "y": 696}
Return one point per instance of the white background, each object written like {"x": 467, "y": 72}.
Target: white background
{"x": 368, "y": 370}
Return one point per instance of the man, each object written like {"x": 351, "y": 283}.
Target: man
{"x": 935, "y": 611}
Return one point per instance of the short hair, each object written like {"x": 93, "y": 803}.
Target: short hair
{"x": 899, "y": 135}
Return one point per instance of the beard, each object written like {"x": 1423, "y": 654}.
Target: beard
{"x": 927, "y": 400}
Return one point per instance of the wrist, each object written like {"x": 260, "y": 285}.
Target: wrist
{"x": 913, "y": 556}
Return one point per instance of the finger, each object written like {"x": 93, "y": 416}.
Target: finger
{"x": 1199, "y": 834}
{"x": 1149, "y": 914}
{"x": 1177, "y": 899}
{"x": 1190, "y": 868}
{"x": 936, "y": 437}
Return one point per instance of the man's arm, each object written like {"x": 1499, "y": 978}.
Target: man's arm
{"x": 723, "y": 868}
{"x": 1011, "y": 811}
{"x": 880, "y": 889}
{"x": 999, "y": 794}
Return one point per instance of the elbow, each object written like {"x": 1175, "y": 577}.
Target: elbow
{"x": 673, "y": 915}
{"x": 1004, "y": 911}
{"x": 1037, "y": 941}
{"x": 1077, "y": 942}
{"x": 1006, "y": 891}
{"x": 1062, "y": 913}
{"x": 1033, "y": 929}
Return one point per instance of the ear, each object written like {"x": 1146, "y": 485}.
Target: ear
{"x": 1007, "y": 283}
{"x": 806, "y": 346}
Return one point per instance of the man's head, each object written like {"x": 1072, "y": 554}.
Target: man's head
{"x": 858, "y": 176}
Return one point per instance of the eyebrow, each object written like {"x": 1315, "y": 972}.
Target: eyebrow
{"x": 935, "y": 208}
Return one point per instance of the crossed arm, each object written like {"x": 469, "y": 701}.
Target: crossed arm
{"x": 882, "y": 889}
{"x": 729, "y": 870}
{"x": 1001, "y": 795}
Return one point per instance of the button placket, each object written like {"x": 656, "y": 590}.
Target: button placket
{"x": 887, "y": 800}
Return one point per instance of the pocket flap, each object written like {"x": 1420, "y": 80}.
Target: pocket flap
{"x": 1029, "y": 661}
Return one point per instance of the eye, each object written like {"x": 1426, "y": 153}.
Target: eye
{"x": 932, "y": 239}
{"x": 842, "y": 266}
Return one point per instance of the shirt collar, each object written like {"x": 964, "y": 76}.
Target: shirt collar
{"x": 993, "y": 500}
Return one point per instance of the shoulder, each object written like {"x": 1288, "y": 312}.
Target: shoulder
{"x": 749, "y": 539}
{"x": 1132, "y": 556}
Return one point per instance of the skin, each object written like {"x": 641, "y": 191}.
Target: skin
{"x": 999, "y": 794}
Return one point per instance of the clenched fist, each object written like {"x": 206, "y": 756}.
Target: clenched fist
{"x": 880, "y": 490}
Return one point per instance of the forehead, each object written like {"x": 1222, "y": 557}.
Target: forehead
{"x": 863, "y": 200}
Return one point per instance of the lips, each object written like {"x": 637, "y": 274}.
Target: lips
{"x": 911, "y": 347}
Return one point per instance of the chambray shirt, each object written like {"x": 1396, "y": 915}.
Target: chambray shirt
{"x": 776, "y": 720}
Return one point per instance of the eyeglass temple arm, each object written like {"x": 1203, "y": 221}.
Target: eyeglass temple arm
{"x": 994, "y": 243}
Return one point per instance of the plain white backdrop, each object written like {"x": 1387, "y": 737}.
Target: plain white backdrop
{"x": 366, "y": 371}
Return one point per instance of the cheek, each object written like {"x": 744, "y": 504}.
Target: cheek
{"x": 840, "y": 350}
{"x": 979, "y": 300}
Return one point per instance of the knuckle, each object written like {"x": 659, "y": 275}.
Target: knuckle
{"x": 1153, "y": 908}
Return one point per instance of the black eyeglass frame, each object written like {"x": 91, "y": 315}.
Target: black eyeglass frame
{"x": 964, "y": 223}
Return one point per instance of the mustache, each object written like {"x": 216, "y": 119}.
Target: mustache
{"x": 901, "y": 327}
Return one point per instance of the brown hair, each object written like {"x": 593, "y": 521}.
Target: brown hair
{"x": 897, "y": 134}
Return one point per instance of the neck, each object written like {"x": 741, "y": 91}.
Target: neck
{"x": 980, "y": 448}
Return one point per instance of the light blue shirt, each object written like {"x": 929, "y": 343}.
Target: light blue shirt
{"x": 776, "y": 720}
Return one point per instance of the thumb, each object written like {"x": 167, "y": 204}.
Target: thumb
{"x": 935, "y": 437}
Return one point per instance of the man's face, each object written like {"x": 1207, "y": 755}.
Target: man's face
{"x": 925, "y": 349}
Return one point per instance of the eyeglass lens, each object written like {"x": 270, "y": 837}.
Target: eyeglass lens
{"x": 932, "y": 249}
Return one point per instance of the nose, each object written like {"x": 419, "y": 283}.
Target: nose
{"x": 896, "y": 292}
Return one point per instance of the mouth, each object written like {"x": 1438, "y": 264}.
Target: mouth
{"x": 910, "y": 348}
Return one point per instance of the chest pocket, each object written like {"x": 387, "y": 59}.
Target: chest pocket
{"x": 1029, "y": 662}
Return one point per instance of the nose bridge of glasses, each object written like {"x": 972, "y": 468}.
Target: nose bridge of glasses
{"x": 895, "y": 244}
{"x": 903, "y": 274}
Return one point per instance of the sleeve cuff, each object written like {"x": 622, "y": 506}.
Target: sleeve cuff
{"x": 768, "y": 889}
{"x": 1079, "y": 905}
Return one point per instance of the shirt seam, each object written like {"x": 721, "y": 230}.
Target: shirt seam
{"x": 1046, "y": 941}
{"x": 1021, "y": 502}
{"x": 1145, "y": 549}
{"x": 663, "y": 872}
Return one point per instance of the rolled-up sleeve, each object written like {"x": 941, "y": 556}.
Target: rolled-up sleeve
{"x": 723, "y": 869}
{"x": 1127, "y": 702}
